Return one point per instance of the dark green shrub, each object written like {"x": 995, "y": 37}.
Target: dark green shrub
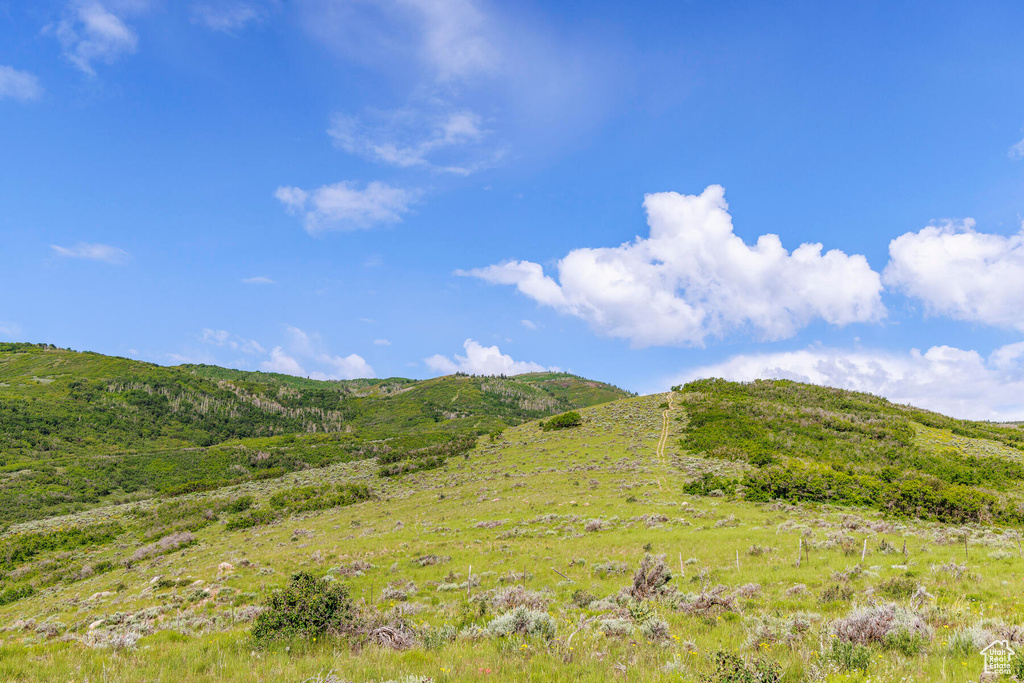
{"x": 305, "y": 608}
{"x": 254, "y": 518}
{"x": 12, "y": 594}
{"x": 563, "y": 421}
{"x": 836, "y": 592}
{"x": 897, "y": 588}
{"x": 409, "y": 466}
{"x": 582, "y": 598}
{"x": 18, "y": 550}
{"x": 239, "y": 504}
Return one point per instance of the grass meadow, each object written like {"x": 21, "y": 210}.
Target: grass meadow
{"x": 554, "y": 524}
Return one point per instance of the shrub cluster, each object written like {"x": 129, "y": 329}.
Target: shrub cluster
{"x": 306, "y": 607}
{"x": 563, "y": 421}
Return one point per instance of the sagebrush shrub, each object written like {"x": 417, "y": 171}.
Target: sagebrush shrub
{"x": 524, "y": 622}
{"x": 891, "y": 626}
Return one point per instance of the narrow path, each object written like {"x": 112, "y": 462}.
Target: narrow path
{"x": 663, "y": 441}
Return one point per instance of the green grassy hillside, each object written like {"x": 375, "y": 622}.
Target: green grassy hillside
{"x": 594, "y": 552}
{"x": 83, "y": 429}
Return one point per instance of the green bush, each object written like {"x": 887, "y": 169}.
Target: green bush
{"x": 563, "y": 421}
{"x": 906, "y": 643}
{"x": 850, "y": 656}
{"x": 306, "y": 607}
{"x": 254, "y": 518}
{"x": 239, "y": 504}
{"x": 13, "y": 594}
{"x": 731, "y": 668}
{"x": 18, "y": 550}
{"x": 897, "y": 588}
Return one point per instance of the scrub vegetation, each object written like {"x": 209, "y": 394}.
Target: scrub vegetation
{"x": 635, "y": 545}
{"x": 79, "y": 430}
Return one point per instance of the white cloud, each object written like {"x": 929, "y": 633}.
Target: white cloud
{"x": 481, "y": 360}
{"x": 961, "y": 273}
{"x": 952, "y": 381}
{"x": 93, "y": 252}
{"x": 351, "y": 366}
{"x": 283, "y": 363}
{"x": 258, "y": 280}
{"x": 224, "y": 339}
{"x": 19, "y": 85}
{"x": 304, "y": 356}
{"x": 1016, "y": 151}
{"x": 382, "y": 342}
{"x": 693, "y": 278}
{"x": 529, "y": 324}
{"x": 90, "y": 33}
{"x": 456, "y": 37}
{"x": 442, "y": 139}
{"x": 343, "y": 206}
{"x": 227, "y": 17}
{"x": 9, "y": 330}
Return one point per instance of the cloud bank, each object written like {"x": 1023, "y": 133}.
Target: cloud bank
{"x": 482, "y": 360}
{"x": 693, "y": 278}
{"x": 304, "y": 355}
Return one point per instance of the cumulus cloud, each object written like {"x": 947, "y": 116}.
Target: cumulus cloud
{"x": 382, "y": 342}
{"x": 961, "y": 273}
{"x": 304, "y": 355}
{"x": 258, "y": 280}
{"x": 281, "y": 362}
{"x": 91, "y": 33}
{"x": 344, "y": 206}
{"x": 481, "y": 360}
{"x": 227, "y": 17}
{"x": 446, "y": 140}
{"x": 693, "y": 278}
{"x": 224, "y": 339}
{"x": 952, "y": 381}
{"x": 93, "y": 252}
{"x": 19, "y": 85}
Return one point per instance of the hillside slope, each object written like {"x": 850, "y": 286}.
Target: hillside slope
{"x": 83, "y": 429}
{"x": 554, "y": 524}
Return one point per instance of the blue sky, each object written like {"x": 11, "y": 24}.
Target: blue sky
{"x": 413, "y": 187}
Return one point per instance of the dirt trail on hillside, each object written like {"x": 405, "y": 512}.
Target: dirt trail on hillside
{"x": 663, "y": 441}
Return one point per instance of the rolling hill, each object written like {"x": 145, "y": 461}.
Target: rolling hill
{"x": 719, "y": 532}
{"x": 83, "y": 429}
